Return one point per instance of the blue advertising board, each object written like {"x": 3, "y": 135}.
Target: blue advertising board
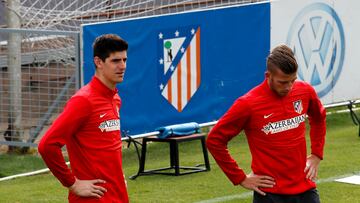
{"x": 187, "y": 67}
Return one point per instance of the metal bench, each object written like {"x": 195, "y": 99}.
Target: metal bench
{"x": 174, "y": 156}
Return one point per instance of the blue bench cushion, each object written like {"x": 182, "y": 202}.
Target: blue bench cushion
{"x": 178, "y": 130}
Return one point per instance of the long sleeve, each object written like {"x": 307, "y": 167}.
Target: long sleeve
{"x": 228, "y": 127}
{"x": 317, "y": 121}
{"x": 75, "y": 113}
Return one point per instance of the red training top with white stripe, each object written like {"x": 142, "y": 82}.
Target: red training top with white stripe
{"x": 90, "y": 128}
{"x": 275, "y": 131}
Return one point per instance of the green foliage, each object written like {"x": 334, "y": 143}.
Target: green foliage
{"x": 341, "y": 157}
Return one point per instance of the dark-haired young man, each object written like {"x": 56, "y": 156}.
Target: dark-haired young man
{"x": 89, "y": 126}
{"x": 273, "y": 118}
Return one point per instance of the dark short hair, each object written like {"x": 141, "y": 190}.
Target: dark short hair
{"x": 106, "y": 44}
{"x": 282, "y": 57}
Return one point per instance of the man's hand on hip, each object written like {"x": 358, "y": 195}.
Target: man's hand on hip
{"x": 88, "y": 188}
{"x": 254, "y": 182}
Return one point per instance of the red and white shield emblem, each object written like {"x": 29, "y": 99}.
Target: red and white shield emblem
{"x": 179, "y": 65}
{"x": 298, "y": 107}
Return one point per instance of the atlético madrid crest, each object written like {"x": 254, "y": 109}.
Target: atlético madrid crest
{"x": 298, "y": 106}
{"x": 179, "y": 64}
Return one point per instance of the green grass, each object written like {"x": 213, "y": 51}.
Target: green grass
{"x": 341, "y": 157}
{"x": 13, "y": 164}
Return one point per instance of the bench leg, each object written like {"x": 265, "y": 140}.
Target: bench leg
{"x": 143, "y": 157}
{"x": 205, "y": 152}
{"x": 172, "y": 155}
{"x": 175, "y": 156}
{"x": 141, "y": 160}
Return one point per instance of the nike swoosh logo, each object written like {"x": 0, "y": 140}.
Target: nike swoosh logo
{"x": 102, "y": 115}
{"x": 267, "y": 116}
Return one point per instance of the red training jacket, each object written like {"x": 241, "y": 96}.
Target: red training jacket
{"x": 275, "y": 131}
{"x": 89, "y": 126}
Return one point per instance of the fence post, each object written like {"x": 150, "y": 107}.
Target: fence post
{"x": 14, "y": 70}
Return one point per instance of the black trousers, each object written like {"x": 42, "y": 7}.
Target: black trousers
{"x": 310, "y": 196}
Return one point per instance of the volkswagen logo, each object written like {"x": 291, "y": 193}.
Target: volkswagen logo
{"x": 317, "y": 38}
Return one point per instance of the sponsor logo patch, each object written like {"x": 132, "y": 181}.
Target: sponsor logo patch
{"x": 283, "y": 125}
{"x": 110, "y": 125}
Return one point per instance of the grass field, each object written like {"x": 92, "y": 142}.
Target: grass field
{"x": 342, "y": 157}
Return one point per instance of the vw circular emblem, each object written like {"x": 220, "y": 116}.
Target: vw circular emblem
{"x": 317, "y": 38}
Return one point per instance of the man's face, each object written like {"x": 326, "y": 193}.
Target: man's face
{"x": 112, "y": 70}
{"x": 279, "y": 82}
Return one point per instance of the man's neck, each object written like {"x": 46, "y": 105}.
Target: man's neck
{"x": 106, "y": 82}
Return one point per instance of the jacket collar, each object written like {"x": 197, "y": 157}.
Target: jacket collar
{"x": 102, "y": 88}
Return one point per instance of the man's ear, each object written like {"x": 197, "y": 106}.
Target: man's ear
{"x": 97, "y": 61}
{"x": 267, "y": 74}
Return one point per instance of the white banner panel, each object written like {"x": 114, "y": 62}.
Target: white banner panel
{"x": 325, "y": 38}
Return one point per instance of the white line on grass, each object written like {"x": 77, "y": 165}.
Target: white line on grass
{"x": 247, "y": 195}
{"x": 41, "y": 171}
{"x": 25, "y": 174}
